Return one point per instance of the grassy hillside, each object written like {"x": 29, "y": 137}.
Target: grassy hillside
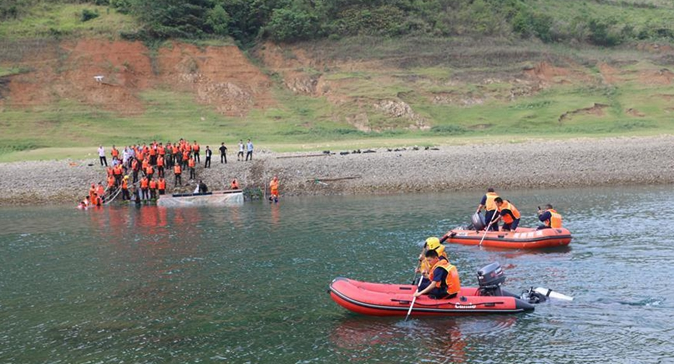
{"x": 347, "y": 93}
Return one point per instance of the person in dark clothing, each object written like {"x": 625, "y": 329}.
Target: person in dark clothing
{"x": 209, "y": 152}
{"x": 223, "y": 153}
{"x": 202, "y": 187}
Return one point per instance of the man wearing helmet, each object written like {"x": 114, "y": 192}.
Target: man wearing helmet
{"x": 432, "y": 243}
{"x": 443, "y": 281}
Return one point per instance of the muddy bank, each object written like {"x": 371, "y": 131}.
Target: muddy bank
{"x": 535, "y": 164}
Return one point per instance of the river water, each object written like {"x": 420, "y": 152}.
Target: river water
{"x": 248, "y": 284}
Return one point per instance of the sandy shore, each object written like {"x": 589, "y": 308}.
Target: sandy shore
{"x": 535, "y": 164}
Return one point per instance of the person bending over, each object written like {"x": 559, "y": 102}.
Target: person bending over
{"x": 508, "y": 213}
{"x": 443, "y": 281}
{"x": 550, "y": 218}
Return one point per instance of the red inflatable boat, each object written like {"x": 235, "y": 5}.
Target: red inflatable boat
{"x": 378, "y": 299}
{"x": 521, "y": 238}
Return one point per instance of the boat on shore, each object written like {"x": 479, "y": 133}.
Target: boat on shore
{"x": 520, "y": 238}
{"x": 215, "y": 198}
{"x": 380, "y": 299}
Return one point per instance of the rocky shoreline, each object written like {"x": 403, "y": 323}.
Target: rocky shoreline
{"x": 531, "y": 164}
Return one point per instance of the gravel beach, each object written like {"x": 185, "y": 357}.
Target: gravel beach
{"x": 531, "y": 164}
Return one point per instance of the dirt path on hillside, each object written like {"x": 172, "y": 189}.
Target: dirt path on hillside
{"x": 535, "y": 164}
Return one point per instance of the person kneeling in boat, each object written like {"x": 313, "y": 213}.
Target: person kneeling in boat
{"x": 508, "y": 213}
{"x": 443, "y": 281}
{"x": 550, "y": 218}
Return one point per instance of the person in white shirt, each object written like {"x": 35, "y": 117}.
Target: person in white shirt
{"x": 249, "y": 148}
{"x": 101, "y": 156}
{"x": 240, "y": 154}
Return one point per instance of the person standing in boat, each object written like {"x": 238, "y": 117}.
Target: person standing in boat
{"x": 489, "y": 205}
{"x": 443, "y": 281}
{"x": 550, "y": 218}
{"x": 508, "y": 213}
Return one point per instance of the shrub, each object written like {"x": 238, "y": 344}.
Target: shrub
{"x": 88, "y": 15}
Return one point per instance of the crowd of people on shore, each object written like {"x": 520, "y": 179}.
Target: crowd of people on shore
{"x": 139, "y": 172}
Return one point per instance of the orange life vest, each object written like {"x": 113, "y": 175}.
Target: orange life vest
{"x": 143, "y": 183}
{"x": 111, "y": 181}
{"x": 114, "y": 152}
{"x": 490, "y": 205}
{"x": 153, "y": 152}
{"x": 235, "y": 185}
{"x": 176, "y": 169}
{"x": 555, "y": 220}
{"x": 101, "y": 190}
{"x": 195, "y": 147}
{"x": 508, "y": 206}
{"x": 153, "y": 184}
{"x": 160, "y": 161}
{"x": 149, "y": 169}
{"x": 273, "y": 187}
{"x": 161, "y": 184}
{"x": 191, "y": 163}
{"x": 125, "y": 184}
{"x": 160, "y": 150}
{"x": 452, "y": 281}
{"x": 118, "y": 170}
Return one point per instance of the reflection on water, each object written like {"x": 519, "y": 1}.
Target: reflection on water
{"x": 248, "y": 283}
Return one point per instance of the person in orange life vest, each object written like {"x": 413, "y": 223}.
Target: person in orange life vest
{"x": 153, "y": 189}
{"x": 149, "y": 171}
{"x": 273, "y": 189}
{"x": 192, "y": 164}
{"x": 195, "y": 150}
{"x": 144, "y": 188}
{"x": 153, "y": 155}
{"x": 508, "y": 213}
{"x": 432, "y": 243}
{"x": 209, "y": 153}
{"x": 98, "y": 201}
{"x": 234, "y": 185}
{"x": 177, "y": 171}
{"x": 100, "y": 190}
{"x": 125, "y": 189}
{"x": 549, "y": 217}
{"x": 118, "y": 172}
{"x": 109, "y": 171}
{"x": 114, "y": 153}
{"x": 92, "y": 192}
{"x": 186, "y": 158}
{"x": 111, "y": 183}
{"x": 135, "y": 167}
{"x": 443, "y": 281}
{"x": 488, "y": 204}
{"x": 161, "y": 185}
{"x": 160, "y": 166}
{"x": 176, "y": 155}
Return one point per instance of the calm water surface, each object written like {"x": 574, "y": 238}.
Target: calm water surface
{"x": 248, "y": 284}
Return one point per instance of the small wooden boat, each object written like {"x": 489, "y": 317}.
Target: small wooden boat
{"x": 379, "y": 299}
{"x": 215, "y": 198}
{"x": 520, "y": 238}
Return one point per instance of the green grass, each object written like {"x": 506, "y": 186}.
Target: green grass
{"x": 64, "y": 20}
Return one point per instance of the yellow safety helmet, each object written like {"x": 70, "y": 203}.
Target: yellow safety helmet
{"x": 432, "y": 243}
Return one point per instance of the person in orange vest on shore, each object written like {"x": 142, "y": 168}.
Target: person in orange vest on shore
{"x": 432, "y": 243}
{"x": 153, "y": 189}
{"x": 273, "y": 189}
{"x": 549, "y": 217}
{"x": 153, "y": 155}
{"x": 177, "y": 171}
{"x": 161, "y": 185}
{"x": 186, "y": 158}
{"x": 135, "y": 167}
{"x": 489, "y": 205}
{"x": 234, "y": 185}
{"x": 149, "y": 171}
{"x": 160, "y": 165}
{"x": 508, "y": 213}
{"x": 118, "y": 172}
{"x": 192, "y": 166}
{"x": 144, "y": 188}
{"x": 125, "y": 189}
{"x": 98, "y": 201}
{"x": 114, "y": 152}
{"x": 111, "y": 183}
{"x": 443, "y": 280}
{"x": 100, "y": 190}
{"x": 195, "y": 151}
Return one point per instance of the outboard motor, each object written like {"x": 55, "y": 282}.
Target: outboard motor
{"x": 490, "y": 279}
{"x": 478, "y": 221}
